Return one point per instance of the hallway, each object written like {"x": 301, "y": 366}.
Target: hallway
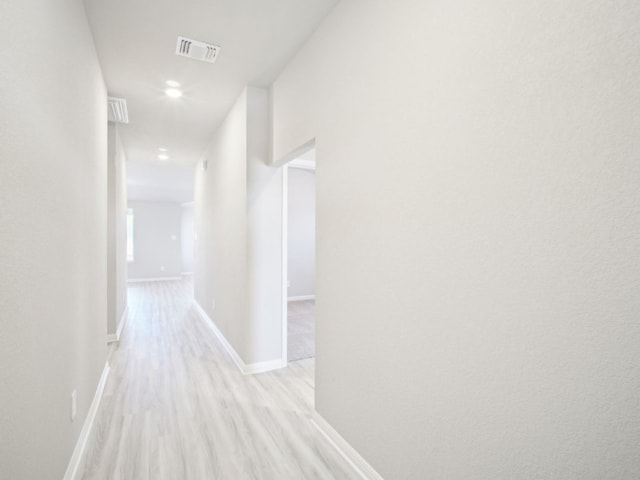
{"x": 176, "y": 407}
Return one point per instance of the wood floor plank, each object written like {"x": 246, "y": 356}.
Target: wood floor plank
{"x": 176, "y": 407}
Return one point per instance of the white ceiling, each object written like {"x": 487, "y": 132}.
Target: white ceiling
{"x": 159, "y": 183}
{"x": 136, "y": 41}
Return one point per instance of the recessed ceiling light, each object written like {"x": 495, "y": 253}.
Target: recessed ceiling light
{"x": 162, "y": 149}
{"x": 173, "y": 92}
{"x": 163, "y": 156}
{"x": 172, "y": 83}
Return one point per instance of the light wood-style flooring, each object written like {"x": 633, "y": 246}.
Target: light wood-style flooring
{"x": 176, "y": 407}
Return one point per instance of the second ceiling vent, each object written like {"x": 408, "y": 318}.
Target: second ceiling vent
{"x": 205, "y": 52}
{"x": 118, "y": 110}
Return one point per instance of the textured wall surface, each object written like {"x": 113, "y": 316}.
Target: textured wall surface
{"x": 238, "y": 217}
{"x": 478, "y": 233}
{"x": 220, "y": 202}
{"x": 264, "y": 235}
{"x": 53, "y": 212}
{"x": 116, "y": 231}
{"x": 301, "y": 236}
{"x": 187, "y": 230}
{"x": 120, "y": 205}
{"x": 156, "y": 240}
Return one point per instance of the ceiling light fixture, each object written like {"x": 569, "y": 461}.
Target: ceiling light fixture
{"x": 163, "y": 156}
{"x": 173, "y": 92}
{"x": 162, "y": 149}
{"x": 172, "y": 83}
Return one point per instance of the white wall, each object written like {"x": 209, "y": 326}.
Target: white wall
{"x": 301, "y": 232}
{"x": 264, "y": 234}
{"x": 116, "y": 231}
{"x": 221, "y": 227}
{"x": 478, "y": 233}
{"x": 157, "y": 232}
{"x": 238, "y": 226}
{"x": 187, "y": 229}
{"x": 53, "y": 211}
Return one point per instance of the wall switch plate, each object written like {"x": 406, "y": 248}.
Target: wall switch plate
{"x": 213, "y": 304}
{"x": 162, "y": 268}
{"x": 74, "y": 404}
{"x": 288, "y": 283}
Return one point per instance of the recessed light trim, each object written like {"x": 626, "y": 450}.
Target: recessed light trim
{"x": 173, "y": 92}
{"x": 172, "y": 83}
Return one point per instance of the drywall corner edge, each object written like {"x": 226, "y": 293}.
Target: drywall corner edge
{"x": 245, "y": 369}
{"x": 302, "y": 149}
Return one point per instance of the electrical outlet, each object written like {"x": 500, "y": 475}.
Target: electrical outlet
{"x": 74, "y": 404}
{"x": 162, "y": 268}
{"x": 288, "y": 283}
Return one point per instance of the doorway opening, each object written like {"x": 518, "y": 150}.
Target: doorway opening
{"x": 299, "y": 225}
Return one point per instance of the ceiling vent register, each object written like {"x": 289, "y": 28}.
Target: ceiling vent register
{"x": 205, "y": 52}
{"x": 118, "y": 110}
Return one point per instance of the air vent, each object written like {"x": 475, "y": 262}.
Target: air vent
{"x": 204, "y": 52}
{"x": 118, "y": 110}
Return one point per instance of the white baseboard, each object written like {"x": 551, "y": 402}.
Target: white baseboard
{"x": 261, "y": 367}
{"x": 87, "y": 427}
{"x": 243, "y": 367}
{"x": 122, "y": 322}
{"x": 115, "y": 337}
{"x": 301, "y": 297}
{"x": 155, "y": 279}
{"x": 359, "y": 464}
